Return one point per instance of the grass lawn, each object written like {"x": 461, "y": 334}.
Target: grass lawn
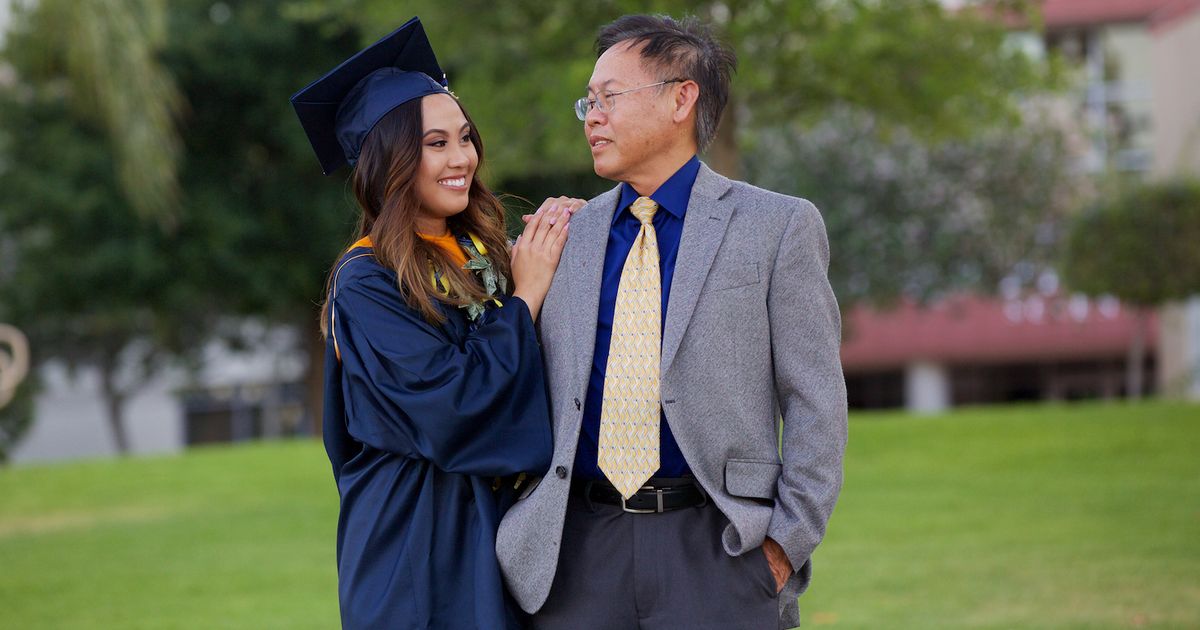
{"x": 1083, "y": 516}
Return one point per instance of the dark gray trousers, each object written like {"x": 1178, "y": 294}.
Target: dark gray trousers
{"x": 620, "y": 571}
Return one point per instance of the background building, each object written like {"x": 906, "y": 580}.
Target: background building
{"x": 252, "y": 394}
{"x": 1138, "y": 96}
{"x": 972, "y": 350}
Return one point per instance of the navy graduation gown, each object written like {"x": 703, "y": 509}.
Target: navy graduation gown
{"x": 420, "y": 420}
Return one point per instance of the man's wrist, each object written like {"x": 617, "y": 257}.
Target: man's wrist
{"x": 782, "y": 532}
{"x": 780, "y": 564}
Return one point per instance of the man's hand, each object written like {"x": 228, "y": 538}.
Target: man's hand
{"x": 781, "y": 567}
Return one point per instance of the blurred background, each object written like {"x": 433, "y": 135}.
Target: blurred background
{"x": 1011, "y": 193}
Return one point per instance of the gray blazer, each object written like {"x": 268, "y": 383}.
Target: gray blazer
{"x": 752, "y": 333}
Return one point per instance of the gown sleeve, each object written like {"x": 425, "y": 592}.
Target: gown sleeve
{"x": 475, "y": 406}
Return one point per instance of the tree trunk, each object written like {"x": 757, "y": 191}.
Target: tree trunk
{"x": 314, "y": 374}
{"x": 1135, "y": 371}
{"x": 114, "y": 402}
{"x": 723, "y": 156}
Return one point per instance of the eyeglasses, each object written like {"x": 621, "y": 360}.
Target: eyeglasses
{"x": 605, "y": 101}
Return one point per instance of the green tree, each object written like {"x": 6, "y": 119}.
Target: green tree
{"x": 16, "y": 400}
{"x": 1140, "y": 247}
{"x": 16, "y": 418}
{"x": 274, "y": 225}
{"x": 256, "y": 227}
{"x": 519, "y": 65}
{"x": 95, "y": 280}
{"x": 86, "y": 276}
{"x": 88, "y": 188}
{"x": 913, "y": 218}
{"x": 107, "y": 51}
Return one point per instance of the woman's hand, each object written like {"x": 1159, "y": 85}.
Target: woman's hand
{"x": 570, "y": 203}
{"x": 536, "y": 253}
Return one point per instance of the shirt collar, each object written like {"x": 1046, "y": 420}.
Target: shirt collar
{"x": 672, "y": 196}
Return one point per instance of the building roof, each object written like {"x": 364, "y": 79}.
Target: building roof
{"x": 1173, "y": 12}
{"x": 1059, "y": 14}
{"x": 991, "y": 331}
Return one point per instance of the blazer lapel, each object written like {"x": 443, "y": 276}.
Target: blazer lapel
{"x": 585, "y": 268}
{"x": 703, "y": 230}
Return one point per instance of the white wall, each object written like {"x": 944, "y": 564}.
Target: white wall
{"x": 1175, "y": 51}
{"x": 70, "y": 423}
{"x": 1193, "y": 352}
{"x": 69, "y": 417}
{"x": 926, "y": 387}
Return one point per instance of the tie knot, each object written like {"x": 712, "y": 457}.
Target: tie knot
{"x": 644, "y": 208}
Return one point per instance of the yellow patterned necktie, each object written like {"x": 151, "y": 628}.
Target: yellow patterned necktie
{"x": 629, "y": 417}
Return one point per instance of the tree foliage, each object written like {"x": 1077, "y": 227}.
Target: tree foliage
{"x": 108, "y": 52}
{"x": 907, "y": 217}
{"x": 519, "y": 65}
{"x": 16, "y": 397}
{"x": 16, "y": 418}
{"x": 94, "y": 280}
{"x": 274, "y": 223}
{"x": 86, "y": 145}
{"x": 85, "y": 274}
{"x": 1141, "y": 246}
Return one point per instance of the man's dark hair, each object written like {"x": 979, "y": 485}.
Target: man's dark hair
{"x": 680, "y": 49}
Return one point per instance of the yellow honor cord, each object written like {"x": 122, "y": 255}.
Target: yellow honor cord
{"x": 478, "y": 244}
{"x": 441, "y": 285}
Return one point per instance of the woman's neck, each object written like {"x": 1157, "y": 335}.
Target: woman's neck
{"x": 433, "y": 227}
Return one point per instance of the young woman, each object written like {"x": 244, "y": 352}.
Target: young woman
{"x": 435, "y": 402}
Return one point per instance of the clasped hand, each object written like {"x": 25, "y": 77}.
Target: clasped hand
{"x": 536, "y": 253}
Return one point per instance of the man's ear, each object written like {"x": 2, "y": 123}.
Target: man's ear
{"x": 686, "y": 94}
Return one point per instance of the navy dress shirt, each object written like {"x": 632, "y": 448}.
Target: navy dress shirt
{"x": 672, "y": 198}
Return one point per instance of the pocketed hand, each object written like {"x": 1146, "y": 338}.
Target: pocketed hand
{"x": 781, "y": 567}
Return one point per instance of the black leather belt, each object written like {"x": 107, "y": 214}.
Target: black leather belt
{"x": 652, "y": 498}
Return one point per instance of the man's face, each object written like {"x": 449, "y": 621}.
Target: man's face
{"x": 625, "y": 140}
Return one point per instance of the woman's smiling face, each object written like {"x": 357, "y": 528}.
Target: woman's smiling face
{"x": 448, "y": 162}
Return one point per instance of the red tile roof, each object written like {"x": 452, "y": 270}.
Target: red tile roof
{"x": 1173, "y": 12}
{"x": 977, "y": 330}
{"x": 1068, "y": 13}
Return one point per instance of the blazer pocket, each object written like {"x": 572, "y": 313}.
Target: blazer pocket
{"x": 731, "y": 277}
{"x": 751, "y": 479}
{"x": 531, "y": 484}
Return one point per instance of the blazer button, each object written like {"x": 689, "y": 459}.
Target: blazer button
{"x": 578, "y": 404}
{"x": 561, "y": 472}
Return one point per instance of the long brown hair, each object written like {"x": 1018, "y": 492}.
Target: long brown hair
{"x": 385, "y": 188}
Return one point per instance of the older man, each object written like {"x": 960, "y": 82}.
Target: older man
{"x": 691, "y": 312}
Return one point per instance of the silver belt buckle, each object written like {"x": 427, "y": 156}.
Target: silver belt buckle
{"x": 657, "y": 491}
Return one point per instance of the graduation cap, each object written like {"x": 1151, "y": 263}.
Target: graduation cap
{"x": 338, "y": 110}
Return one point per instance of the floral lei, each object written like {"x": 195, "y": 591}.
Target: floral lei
{"x": 494, "y": 284}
